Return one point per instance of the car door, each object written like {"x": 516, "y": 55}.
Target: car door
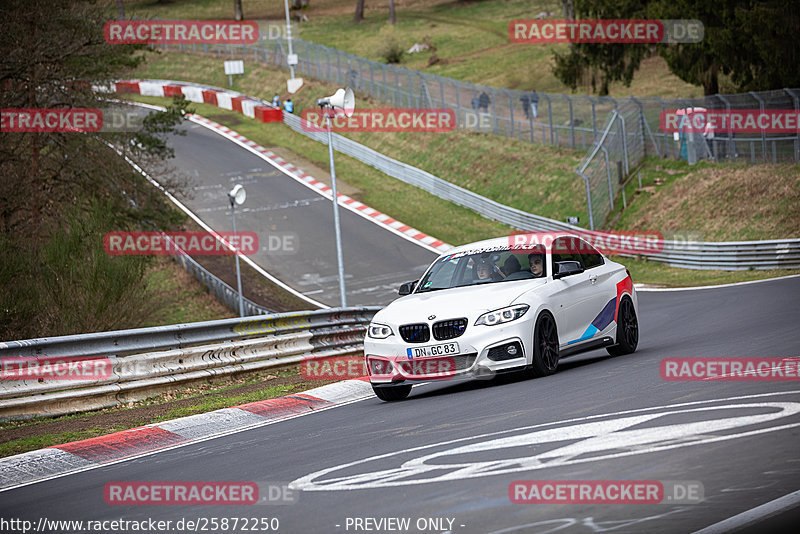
{"x": 586, "y": 304}
{"x": 601, "y": 303}
{"x": 571, "y": 294}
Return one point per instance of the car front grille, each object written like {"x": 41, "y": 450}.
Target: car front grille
{"x": 415, "y": 333}
{"x": 449, "y": 329}
{"x": 464, "y": 361}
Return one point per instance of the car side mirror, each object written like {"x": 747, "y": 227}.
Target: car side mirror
{"x": 407, "y": 288}
{"x": 566, "y": 268}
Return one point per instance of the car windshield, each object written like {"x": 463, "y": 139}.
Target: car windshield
{"x": 487, "y": 267}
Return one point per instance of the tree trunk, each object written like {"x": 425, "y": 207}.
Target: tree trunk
{"x": 359, "y": 15}
{"x": 569, "y": 9}
{"x": 391, "y": 12}
{"x": 711, "y": 81}
{"x": 237, "y": 7}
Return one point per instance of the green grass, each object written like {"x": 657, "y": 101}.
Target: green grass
{"x": 33, "y": 443}
{"x": 430, "y": 214}
{"x": 530, "y": 177}
{"x": 471, "y": 39}
{"x": 185, "y": 299}
{"x": 722, "y": 201}
{"x": 206, "y": 398}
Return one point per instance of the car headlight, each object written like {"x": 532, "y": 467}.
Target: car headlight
{"x": 503, "y": 315}
{"x": 379, "y": 331}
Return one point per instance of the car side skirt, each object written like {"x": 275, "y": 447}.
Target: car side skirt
{"x": 605, "y": 341}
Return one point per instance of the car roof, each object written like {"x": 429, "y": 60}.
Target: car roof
{"x": 504, "y": 241}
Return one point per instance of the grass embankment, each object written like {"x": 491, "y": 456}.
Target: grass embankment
{"x": 471, "y": 40}
{"x": 674, "y": 196}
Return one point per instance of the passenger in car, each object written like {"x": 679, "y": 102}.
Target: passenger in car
{"x": 536, "y": 262}
{"x": 511, "y": 265}
{"x": 513, "y": 269}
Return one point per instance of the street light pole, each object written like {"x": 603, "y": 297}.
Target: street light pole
{"x": 337, "y": 228}
{"x": 237, "y": 195}
{"x": 289, "y": 34}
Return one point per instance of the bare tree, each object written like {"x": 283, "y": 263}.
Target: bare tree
{"x": 237, "y": 7}
{"x": 569, "y": 9}
{"x": 359, "y": 15}
{"x": 392, "y": 17}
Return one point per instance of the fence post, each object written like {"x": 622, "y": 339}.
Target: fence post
{"x": 624, "y": 144}
{"x": 571, "y": 122}
{"x": 396, "y": 86}
{"x": 763, "y": 133}
{"x": 588, "y": 198}
{"x": 796, "y": 101}
{"x": 664, "y": 135}
{"x": 594, "y": 118}
{"x": 510, "y": 109}
{"x": 530, "y": 124}
{"x": 494, "y": 109}
{"x": 410, "y": 90}
{"x": 608, "y": 176}
{"x": 458, "y": 101}
{"x": 338, "y": 66}
{"x": 372, "y": 81}
{"x": 383, "y": 87}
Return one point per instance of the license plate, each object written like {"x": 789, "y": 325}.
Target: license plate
{"x": 445, "y": 349}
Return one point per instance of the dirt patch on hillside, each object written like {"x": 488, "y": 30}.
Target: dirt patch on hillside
{"x": 730, "y": 203}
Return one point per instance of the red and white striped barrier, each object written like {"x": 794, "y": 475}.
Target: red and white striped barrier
{"x": 250, "y": 107}
{"x": 255, "y": 109}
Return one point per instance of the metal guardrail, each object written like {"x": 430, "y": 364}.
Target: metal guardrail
{"x": 147, "y": 361}
{"x": 732, "y": 255}
{"x": 430, "y": 183}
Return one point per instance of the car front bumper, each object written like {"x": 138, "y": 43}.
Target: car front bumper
{"x": 483, "y": 351}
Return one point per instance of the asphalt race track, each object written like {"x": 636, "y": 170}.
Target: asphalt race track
{"x": 435, "y": 455}
{"x": 294, "y": 224}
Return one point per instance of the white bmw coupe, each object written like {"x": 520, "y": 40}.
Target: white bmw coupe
{"x": 498, "y": 305}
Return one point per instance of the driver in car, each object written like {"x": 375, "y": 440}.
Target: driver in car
{"x": 484, "y": 269}
{"x": 537, "y": 264}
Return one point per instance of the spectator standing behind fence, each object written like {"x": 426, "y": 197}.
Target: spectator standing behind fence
{"x": 484, "y": 101}
{"x": 288, "y": 105}
{"x": 476, "y": 103}
{"x": 534, "y": 100}
{"x": 276, "y": 101}
{"x": 526, "y": 103}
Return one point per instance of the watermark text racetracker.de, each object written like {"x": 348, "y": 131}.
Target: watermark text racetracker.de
{"x": 693, "y": 120}
{"x": 192, "y": 243}
{"x": 730, "y": 369}
{"x": 40, "y": 368}
{"x": 50, "y": 120}
{"x": 180, "y": 32}
{"x": 629, "y": 31}
{"x": 605, "y": 492}
{"x": 582, "y": 242}
{"x": 381, "y": 120}
{"x": 160, "y": 526}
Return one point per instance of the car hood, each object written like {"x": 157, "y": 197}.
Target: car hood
{"x": 470, "y": 302}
